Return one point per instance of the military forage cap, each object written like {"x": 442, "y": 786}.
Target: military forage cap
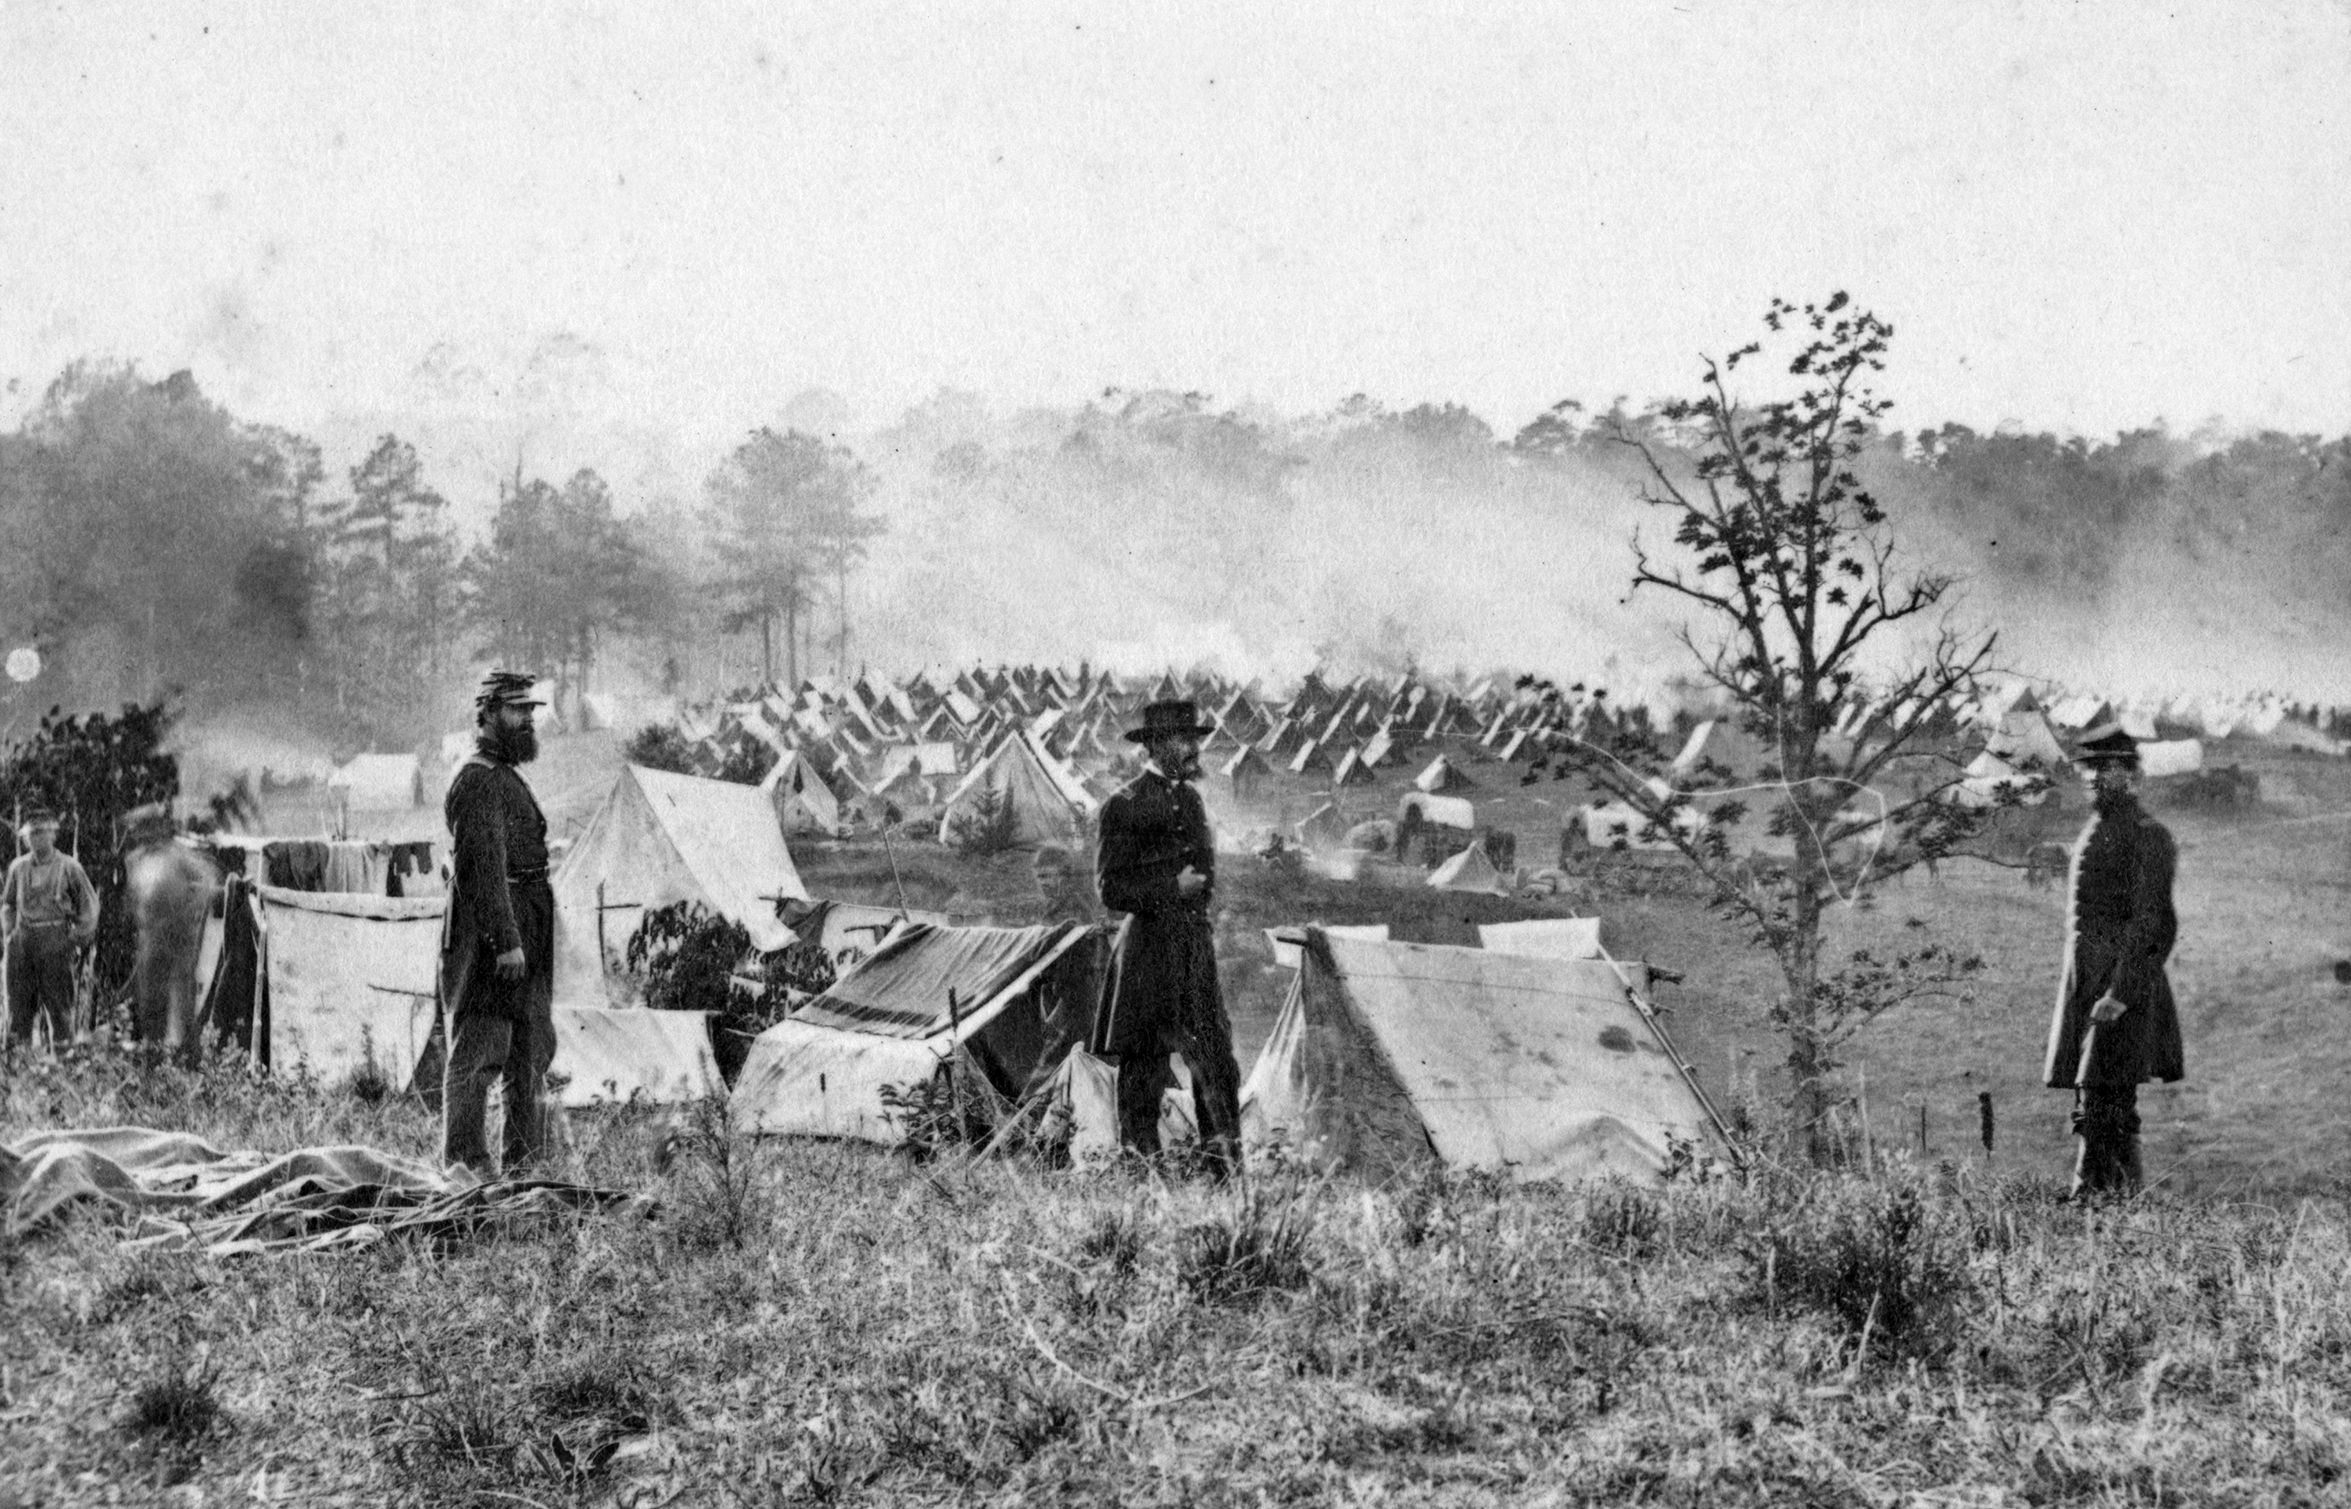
{"x": 2107, "y": 744}
{"x": 506, "y": 689}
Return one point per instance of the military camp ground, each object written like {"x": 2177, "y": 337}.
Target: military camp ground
{"x": 1414, "y": 805}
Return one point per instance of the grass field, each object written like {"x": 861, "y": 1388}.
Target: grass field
{"x": 812, "y": 1323}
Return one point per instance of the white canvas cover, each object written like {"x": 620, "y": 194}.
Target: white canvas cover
{"x": 2171, "y": 757}
{"x": 1544, "y": 937}
{"x": 887, "y": 1021}
{"x": 350, "y": 978}
{"x": 1470, "y": 870}
{"x": 378, "y": 783}
{"x": 657, "y": 840}
{"x": 1387, "y": 1053}
{"x": 659, "y": 1056}
{"x": 1049, "y": 803}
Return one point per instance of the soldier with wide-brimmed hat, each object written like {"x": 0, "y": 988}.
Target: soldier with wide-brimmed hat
{"x": 497, "y": 977}
{"x": 1156, "y": 862}
{"x": 2115, "y": 1025}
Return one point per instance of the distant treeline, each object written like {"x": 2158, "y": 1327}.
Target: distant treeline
{"x": 151, "y": 540}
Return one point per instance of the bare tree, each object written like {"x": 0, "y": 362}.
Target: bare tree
{"x": 1840, "y": 659}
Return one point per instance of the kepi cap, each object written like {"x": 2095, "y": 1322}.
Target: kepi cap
{"x": 2107, "y": 744}
{"x": 507, "y": 689}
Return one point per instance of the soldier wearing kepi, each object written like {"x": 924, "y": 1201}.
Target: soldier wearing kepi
{"x": 48, "y": 910}
{"x": 2115, "y": 1025}
{"x": 497, "y": 936}
{"x": 1156, "y": 862}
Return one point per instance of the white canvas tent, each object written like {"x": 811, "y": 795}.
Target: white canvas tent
{"x": 974, "y": 998}
{"x": 1720, "y": 742}
{"x": 1389, "y": 1054}
{"x": 1049, "y": 804}
{"x": 378, "y": 783}
{"x": 803, "y": 802}
{"x": 660, "y": 839}
{"x": 1470, "y": 870}
{"x": 2171, "y": 757}
{"x": 1442, "y": 774}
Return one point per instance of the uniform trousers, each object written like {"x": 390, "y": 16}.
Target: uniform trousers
{"x": 40, "y": 981}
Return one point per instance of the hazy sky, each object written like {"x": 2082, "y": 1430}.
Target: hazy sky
{"x": 2078, "y": 216}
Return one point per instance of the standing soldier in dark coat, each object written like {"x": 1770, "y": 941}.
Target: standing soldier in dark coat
{"x": 1157, "y": 863}
{"x": 497, "y": 975}
{"x": 2115, "y": 1025}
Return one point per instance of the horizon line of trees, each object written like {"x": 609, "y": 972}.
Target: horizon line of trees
{"x": 150, "y": 540}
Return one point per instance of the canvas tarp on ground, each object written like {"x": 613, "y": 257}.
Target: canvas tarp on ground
{"x": 350, "y": 979}
{"x": 660, "y": 839}
{"x": 1389, "y": 1054}
{"x": 889, "y": 1021}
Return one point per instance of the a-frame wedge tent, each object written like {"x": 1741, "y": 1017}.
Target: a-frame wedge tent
{"x": 1470, "y": 870}
{"x": 803, "y": 801}
{"x": 1388, "y": 1056}
{"x": 996, "y": 1006}
{"x": 1049, "y": 804}
{"x": 1441, "y": 774}
{"x": 660, "y": 839}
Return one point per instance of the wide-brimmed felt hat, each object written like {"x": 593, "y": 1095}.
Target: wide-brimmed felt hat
{"x": 33, "y": 815}
{"x": 1171, "y": 717}
{"x": 507, "y": 689}
{"x": 2107, "y": 744}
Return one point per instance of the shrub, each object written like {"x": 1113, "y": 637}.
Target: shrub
{"x": 988, "y": 827}
{"x": 661, "y": 746}
{"x": 1879, "y": 1258}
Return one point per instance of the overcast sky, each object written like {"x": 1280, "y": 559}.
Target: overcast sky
{"x": 2077, "y": 216}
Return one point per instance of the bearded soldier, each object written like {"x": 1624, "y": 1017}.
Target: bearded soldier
{"x": 2115, "y": 1025}
{"x": 497, "y": 936}
{"x": 1157, "y": 863}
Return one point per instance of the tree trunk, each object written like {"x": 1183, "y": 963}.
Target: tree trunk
{"x": 792, "y": 644}
{"x": 767, "y": 648}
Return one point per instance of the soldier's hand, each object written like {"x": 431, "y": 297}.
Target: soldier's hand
{"x": 512, "y": 965}
{"x": 2107, "y": 1009}
{"x": 1190, "y": 883}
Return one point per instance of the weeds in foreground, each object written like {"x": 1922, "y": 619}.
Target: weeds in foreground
{"x": 1879, "y": 1257}
{"x": 725, "y": 1199}
{"x": 1256, "y": 1246}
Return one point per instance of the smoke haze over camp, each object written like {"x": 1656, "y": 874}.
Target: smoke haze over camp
{"x": 623, "y": 241}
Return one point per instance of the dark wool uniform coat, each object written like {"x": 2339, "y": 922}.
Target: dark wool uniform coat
{"x": 1163, "y": 973}
{"x": 2119, "y": 932}
{"x": 499, "y": 897}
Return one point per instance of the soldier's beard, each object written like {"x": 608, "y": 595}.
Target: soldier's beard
{"x": 510, "y": 746}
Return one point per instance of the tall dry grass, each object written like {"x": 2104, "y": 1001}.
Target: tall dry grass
{"x": 813, "y": 1323}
